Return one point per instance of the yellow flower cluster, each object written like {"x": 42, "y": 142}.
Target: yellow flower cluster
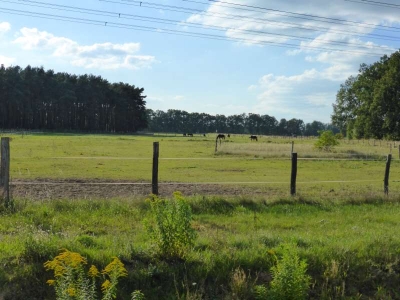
{"x": 93, "y": 271}
{"x": 116, "y": 268}
{"x": 64, "y": 260}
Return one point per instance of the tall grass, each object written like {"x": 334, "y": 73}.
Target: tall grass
{"x": 350, "y": 245}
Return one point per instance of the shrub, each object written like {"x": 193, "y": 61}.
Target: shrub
{"x": 326, "y": 141}
{"x": 290, "y": 281}
{"x": 171, "y": 230}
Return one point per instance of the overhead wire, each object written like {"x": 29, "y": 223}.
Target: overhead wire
{"x": 176, "y": 32}
{"x": 293, "y": 14}
{"x": 375, "y": 3}
{"x": 189, "y": 24}
{"x": 152, "y": 5}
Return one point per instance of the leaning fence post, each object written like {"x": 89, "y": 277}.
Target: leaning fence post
{"x": 293, "y": 175}
{"x": 5, "y": 169}
{"x": 154, "y": 182}
{"x": 386, "y": 180}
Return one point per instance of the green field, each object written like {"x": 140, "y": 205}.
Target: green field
{"x": 355, "y": 166}
{"x": 340, "y": 221}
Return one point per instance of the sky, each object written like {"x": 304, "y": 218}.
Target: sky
{"x": 286, "y": 58}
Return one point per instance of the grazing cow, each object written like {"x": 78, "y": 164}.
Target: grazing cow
{"x": 221, "y": 136}
{"x": 184, "y": 134}
{"x": 204, "y": 134}
{"x": 229, "y": 135}
{"x": 190, "y": 134}
{"x": 253, "y": 137}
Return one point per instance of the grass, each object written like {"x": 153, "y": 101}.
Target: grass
{"x": 356, "y": 237}
{"x": 339, "y": 219}
{"x": 192, "y": 160}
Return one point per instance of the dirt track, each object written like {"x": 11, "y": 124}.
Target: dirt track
{"x": 56, "y": 189}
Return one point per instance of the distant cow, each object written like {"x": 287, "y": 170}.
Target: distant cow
{"x": 253, "y": 137}
{"x": 190, "y": 134}
{"x": 221, "y": 136}
{"x": 229, "y": 135}
{"x": 204, "y": 134}
{"x": 184, "y": 134}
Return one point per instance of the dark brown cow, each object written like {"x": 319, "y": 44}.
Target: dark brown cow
{"x": 253, "y": 137}
{"x": 190, "y": 134}
{"x": 221, "y": 136}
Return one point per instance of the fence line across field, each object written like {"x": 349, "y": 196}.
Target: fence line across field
{"x": 184, "y": 183}
{"x": 5, "y": 173}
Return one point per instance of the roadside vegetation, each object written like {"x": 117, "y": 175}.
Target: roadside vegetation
{"x": 342, "y": 248}
{"x": 337, "y": 239}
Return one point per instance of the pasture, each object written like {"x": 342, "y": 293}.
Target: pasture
{"x": 191, "y": 163}
{"x": 75, "y": 192}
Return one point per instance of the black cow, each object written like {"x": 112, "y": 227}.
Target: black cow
{"x": 221, "y": 136}
{"x": 190, "y": 134}
{"x": 253, "y": 137}
{"x": 184, "y": 134}
{"x": 229, "y": 135}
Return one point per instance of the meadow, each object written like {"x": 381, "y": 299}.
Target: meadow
{"x": 340, "y": 222}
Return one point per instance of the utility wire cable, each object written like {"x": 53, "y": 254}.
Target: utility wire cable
{"x": 190, "y": 24}
{"x": 375, "y": 3}
{"x": 251, "y": 19}
{"x": 176, "y": 32}
{"x": 314, "y": 17}
{"x": 378, "y": 3}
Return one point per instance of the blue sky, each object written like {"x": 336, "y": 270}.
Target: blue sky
{"x": 273, "y": 57}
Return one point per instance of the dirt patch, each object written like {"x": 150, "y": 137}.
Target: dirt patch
{"x": 95, "y": 188}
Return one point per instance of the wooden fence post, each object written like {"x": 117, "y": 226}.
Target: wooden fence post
{"x": 399, "y": 151}
{"x": 5, "y": 169}
{"x": 154, "y": 182}
{"x": 292, "y": 147}
{"x": 293, "y": 175}
{"x": 386, "y": 180}
{"x": 216, "y": 145}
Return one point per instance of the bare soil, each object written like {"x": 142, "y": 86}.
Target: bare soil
{"x": 92, "y": 188}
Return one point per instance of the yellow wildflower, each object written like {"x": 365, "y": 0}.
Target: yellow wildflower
{"x": 93, "y": 271}
{"x": 115, "y": 267}
{"x": 51, "y": 282}
{"x": 71, "y": 291}
{"x": 105, "y": 286}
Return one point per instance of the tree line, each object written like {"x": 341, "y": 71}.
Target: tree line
{"x": 368, "y": 105}
{"x": 36, "y": 99}
{"x": 180, "y": 121}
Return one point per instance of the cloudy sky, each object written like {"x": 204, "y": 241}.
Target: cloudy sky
{"x": 282, "y": 58}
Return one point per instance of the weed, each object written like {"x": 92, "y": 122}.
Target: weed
{"x": 172, "y": 232}
{"x": 71, "y": 282}
{"x": 290, "y": 281}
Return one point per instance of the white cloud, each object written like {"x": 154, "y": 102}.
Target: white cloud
{"x": 6, "y": 61}
{"x": 4, "y": 27}
{"x": 179, "y": 97}
{"x": 96, "y": 56}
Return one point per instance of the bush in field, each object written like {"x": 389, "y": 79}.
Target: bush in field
{"x": 72, "y": 282}
{"x": 171, "y": 229}
{"x": 326, "y": 141}
{"x": 290, "y": 281}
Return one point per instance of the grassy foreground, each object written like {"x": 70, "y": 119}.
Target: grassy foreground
{"x": 352, "y": 246}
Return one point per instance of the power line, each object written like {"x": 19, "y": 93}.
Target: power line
{"x": 176, "y": 22}
{"x": 315, "y": 17}
{"x": 376, "y": 3}
{"x": 175, "y": 32}
{"x": 152, "y": 5}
